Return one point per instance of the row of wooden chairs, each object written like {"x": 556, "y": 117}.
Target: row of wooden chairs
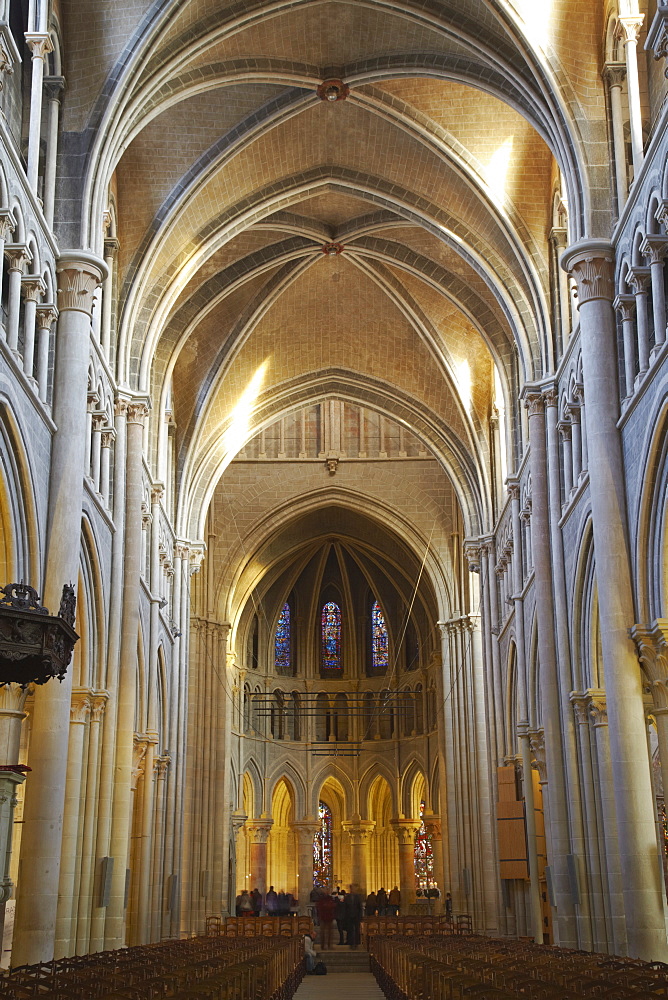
{"x": 447, "y": 968}
{"x": 254, "y": 927}
{"x": 421, "y": 926}
{"x": 210, "y": 968}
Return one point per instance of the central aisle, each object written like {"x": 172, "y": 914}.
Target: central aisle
{"x": 339, "y": 986}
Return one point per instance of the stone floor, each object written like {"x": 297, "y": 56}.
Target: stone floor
{"x": 339, "y": 986}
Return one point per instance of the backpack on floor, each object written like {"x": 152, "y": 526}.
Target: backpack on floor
{"x": 320, "y": 969}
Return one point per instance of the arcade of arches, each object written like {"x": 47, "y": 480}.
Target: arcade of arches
{"x": 334, "y": 375}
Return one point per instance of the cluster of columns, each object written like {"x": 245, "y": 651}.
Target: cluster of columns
{"x": 634, "y": 312}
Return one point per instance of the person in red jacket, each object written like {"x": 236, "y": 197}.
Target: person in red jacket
{"x": 326, "y": 910}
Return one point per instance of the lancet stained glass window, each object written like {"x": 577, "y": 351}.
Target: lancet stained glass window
{"x": 322, "y": 848}
{"x": 379, "y": 643}
{"x": 423, "y": 857}
{"x": 282, "y": 645}
{"x": 331, "y": 636}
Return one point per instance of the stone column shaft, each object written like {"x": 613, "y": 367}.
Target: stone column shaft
{"x": 592, "y": 264}
{"x": 405, "y": 830}
{"x": 549, "y": 673}
{"x": 54, "y": 86}
{"x": 46, "y": 315}
{"x": 614, "y": 74}
{"x": 639, "y": 279}
{"x": 40, "y": 45}
{"x": 122, "y": 798}
{"x": 359, "y": 832}
{"x": 259, "y": 833}
{"x": 19, "y": 255}
{"x": 654, "y": 249}
{"x": 630, "y": 27}
{"x": 78, "y": 276}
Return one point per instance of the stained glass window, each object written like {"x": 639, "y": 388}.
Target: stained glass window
{"x": 423, "y": 857}
{"x": 379, "y": 643}
{"x": 282, "y": 646}
{"x": 331, "y": 636}
{"x": 322, "y": 849}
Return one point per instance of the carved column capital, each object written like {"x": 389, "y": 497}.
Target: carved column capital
{"x": 625, "y": 305}
{"x": 18, "y": 255}
{"x": 533, "y": 399}
{"x": 39, "y": 43}
{"x": 654, "y": 247}
{"x": 652, "y": 645}
{"x": 32, "y": 287}
{"x": 7, "y": 223}
{"x": 630, "y": 25}
{"x": 79, "y": 275}
{"x": 405, "y": 830}
{"x": 80, "y": 705}
{"x": 259, "y": 830}
{"x": 137, "y": 410}
{"x": 99, "y": 701}
{"x": 564, "y": 428}
{"x": 592, "y": 265}
{"x": 46, "y": 315}
{"x": 579, "y": 702}
{"x": 614, "y": 73}
{"x": 157, "y": 493}
{"x": 54, "y": 86}
{"x": 237, "y": 819}
{"x": 472, "y": 554}
{"x": 639, "y": 279}
{"x": 598, "y": 707}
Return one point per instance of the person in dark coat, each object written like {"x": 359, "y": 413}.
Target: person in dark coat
{"x": 371, "y": 905}
{"x": 271, "y": 902}
{"x": 340, "y": 915}
{"x": 256, "y": 896}
{"x": 381, "y": 902}
{"x": 353, "y": 906}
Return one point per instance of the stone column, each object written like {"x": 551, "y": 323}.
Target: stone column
{"x": 145, "y": 846}
{"x": 161, "y": 766}
{"x": 108, "y": 735}
{"x": 33, "y": 288}
{"x": 630, "y": 26}
{"x": 18, "y": 256}
{"x": 599, "y": 720}
{"x": 9, "y": 782}
{"x": 46, "y": 315}
{"x": 638, "y": 278}
{"x": 654, "y": 249}
{"x": 40, "y": 45}
{"x": 54, "y": 86}
{"x": 79, "y": 274}
{"x": 535, "y": 910}
{"x": 86, "y": 886}
{"x": 433, "y": 827}
{"x": 592, "y": 264}
{"x": 359, "y": 831}
{"x": 625, "y": 305}
{"x": 111, "y": 247}
{"x": 405, "y": 830}
{"x": 259, "y": 830}
{"x": 7, "y": 227}
{"x": 70, "y": 853}
{"x": 549, "y": 673}
{"x": 652, "y": 645}
{"x": 614, "y": 74}
{"x": 306, "y": 830}
{"x": 121, "y": 819}
{"x": 107, "y": 436}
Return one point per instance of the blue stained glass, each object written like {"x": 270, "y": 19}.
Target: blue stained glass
{"x": 331, "y": 636}
{"x": 322, "y": 849}
{"x": 379, "y": 641}
{"x": 282, "y": 650}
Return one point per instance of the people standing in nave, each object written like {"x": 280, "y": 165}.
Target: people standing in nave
{"x": 326, "y": 912}
{"x": 381, "y": 902}
{"x": 371, "y": 905}
{"x": 256, "y": 897}
{"x": 394, "y": 902}
{"x": 354, "y": 912}
{"x": 271, "y": 902}
{"x": 340, "y": 915}
{"x": 245, "y": 904}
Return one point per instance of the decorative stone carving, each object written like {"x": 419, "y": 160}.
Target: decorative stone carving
{"x": 332, "y": 249}
{"x": 592, "y": 265}
{"x": 7, "y": 223}
{"x": 32, "y": 287}
{"x": 138, "y": 410}
{"x": 79, "y": 275}
{"x": 657, "y": 35}
{"x": 405, "y": 830}
{"x": 80, "y": 705}
{"x": 537, "y": 747}
{"x": 39, "y": 43}
{"x": 614, "y": 73}
{"x": 534, "y": 402}
{"x": 598, "y": 709}
{"x": 652, "y": 645}
{"x": 333, "y": 90}
{"x": 259, "y": 830}
{"x": 654, "y": 247}
{"x": 580, "y": 707}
